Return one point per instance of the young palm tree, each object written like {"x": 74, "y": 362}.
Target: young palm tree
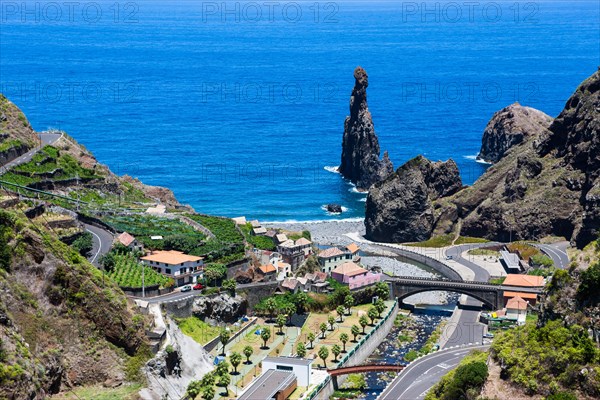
{"x": 340, "y": 311}
{"x": 363, "y": 321}
{"x": 331, "y": 321}
{"x": 348, "y": 302}
{"x": 235, "y": 359}
{"x": 323, "y": 329}
{"x": 301, "y": 350}
{"x": 248, "y": 353}
{"x": 336, "y": 350}
{"x": 355, "y": 330}
{"x": 344, "y": 338}
{"x": 372, "y": 313}
{"x": 280, "y": 322}
{"x": 323, "y": 354}
{"x": 311, "y": 338}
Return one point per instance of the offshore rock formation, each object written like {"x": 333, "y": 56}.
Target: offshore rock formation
{"x": 401, "y": 209}
{"x": 549, "y": 184}
{"x": 509, "y": 127}
{"x": 360, "y": 147}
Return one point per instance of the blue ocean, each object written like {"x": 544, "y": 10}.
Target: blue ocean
{"x": 239, "y": 107}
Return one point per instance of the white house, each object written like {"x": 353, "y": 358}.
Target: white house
{"x": 301, "y": 367}
{"x": 331, "y": 258}
{"x": 184, "y": 268}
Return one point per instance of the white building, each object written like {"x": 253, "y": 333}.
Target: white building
{"x": 182, "y": 267}
{"x": 301, "y": 367}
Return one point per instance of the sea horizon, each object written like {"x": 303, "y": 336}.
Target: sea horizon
{"x": 240, "y": 121}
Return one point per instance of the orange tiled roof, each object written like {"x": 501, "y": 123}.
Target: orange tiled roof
{"x": 516, "y": 303}
{"x": 349, "y": 269}
{"x": 267, "y": 268}
{"x": 303, "y": 242}
{"x": 171, "y": 257}
{"x": 521, "y": 295}
{"x": 353, "y": 248}
{"x": 125, "y": 239}
{"x": 330, "y": 252}
{"x": 524, "y": 280}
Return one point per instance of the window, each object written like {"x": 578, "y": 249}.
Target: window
{"x": 284, "y": 368}
{"x": 168, "y": 271}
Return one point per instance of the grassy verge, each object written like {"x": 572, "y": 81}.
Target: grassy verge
{"x": 198, "y": 330}
{"x": 123, "y": 392}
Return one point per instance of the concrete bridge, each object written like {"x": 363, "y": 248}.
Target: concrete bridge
{"x": 334, "y": 373}
{"x": 491, "y": 295}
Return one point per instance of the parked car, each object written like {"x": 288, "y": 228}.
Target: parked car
{"x": 448, "y": 257}
{"x": 488, "y": 335}
{"x": 198, "y": 286}
{"x": 186, "y": 288}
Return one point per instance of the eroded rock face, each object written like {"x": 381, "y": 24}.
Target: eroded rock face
{"x": 360, "y": 147}
{"x": 400, "y": 209}
{"x": 509, "y": 127}
{"x": 220, "y": 308}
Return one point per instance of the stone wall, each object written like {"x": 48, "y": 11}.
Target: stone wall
{"x": 254, "y": 294}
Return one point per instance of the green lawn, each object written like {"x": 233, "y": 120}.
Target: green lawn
{"x": 123, "y": 392}
{"x": 198, "y": 330}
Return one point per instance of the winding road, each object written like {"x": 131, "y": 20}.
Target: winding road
{"x": 45, "y": 139}
{"x": 101, "y": 243}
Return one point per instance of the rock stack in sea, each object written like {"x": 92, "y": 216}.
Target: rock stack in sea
{"x": 360, "y": 147}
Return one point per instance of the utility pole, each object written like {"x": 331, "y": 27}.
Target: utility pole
{"x": 143, "y": 281}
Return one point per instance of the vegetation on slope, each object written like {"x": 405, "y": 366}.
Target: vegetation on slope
{"x": 464, "y": 382}
{"x": 60, "y": 324}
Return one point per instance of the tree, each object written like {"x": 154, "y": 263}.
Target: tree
{"x": 224, "y": 338}
{"x": 229, "y": 285}
{"x": 323, "y": 329}
{"x": 340, "y": 311}
{"x": 331, "y": 321}
{"x": 311, "y": 338}
{"x": 214, "y": 272}
{"x": 372, "y": 313}
{"x": 323, "y": 354}
{"x": 363, "y": 321}
{"x": 248, "y": 353}
{"x": 208, "y": 379}
{"x": 280, "y": 322}
{"x": 222, "y": 368}
{"x": 193, "y": 389}
{"x": 108, "y": 262}
{"x": 301, "y": 350}
{"x": 355, "y": 330}
{"x": 344, "y": 339}
{"x": 235, "y": 359}
{"x": 83, "y": 244}
{"x": 271, "y": 306}
{"x": 290, "y": 310}
{"x": 265, "y": 335}
{"x": 301, "y": 301}
{"x": 336, "y": 350}
{"x": 224, "y": 380}
{"x": 380, "y": 307}
{"x": 349, "y": 302}
{"x": 208, "y": 392}
{"x": 382, "y": 290}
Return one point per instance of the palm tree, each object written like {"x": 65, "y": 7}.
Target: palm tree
{"x": 224, "y": 338}
{"x": 280, "y": 322}
{"x": 380, "y": 307}
{"x": 208, "y": 392}
{"x": 301, "y": 350}
{"x": 248, "y": 353}
{"x": 301, "y": 301}
{"x": 331, "y": 321}
{"x": 336, "y": 352}
{"x": 348, "y": 302}
{"x": 323, "y": 329}
{"x": 363, "y": 321}
{"x": 355, "y": 330}
{"x": 344, "y": 338}
{"x": 235, "y": 359}
{"x": 323, "y": 354}
{"x": 311, "y": 338}
{"x": 290, "y": 310}
{"x": 372, "y": 315}
{"x": 265, "y": 334}
{"x": 340, "y": 311}
{"x": 271, "y": 306}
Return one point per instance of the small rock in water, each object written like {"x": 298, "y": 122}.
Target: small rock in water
{"x": 334, "y": 208}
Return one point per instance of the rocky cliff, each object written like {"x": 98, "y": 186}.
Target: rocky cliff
{"x": 548, "y": 184}
{"x": 360, "y": 147}
{"x": 401, "y": 208}
{"x": 509, "y": 127}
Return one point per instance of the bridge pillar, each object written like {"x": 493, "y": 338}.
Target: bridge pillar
{"x": 335, "y": 382}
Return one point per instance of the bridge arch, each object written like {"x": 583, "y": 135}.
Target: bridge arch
{"x": 486, "y": 302}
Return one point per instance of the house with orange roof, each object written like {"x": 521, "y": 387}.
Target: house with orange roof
{"x": 516, "y": 308}
{"x": 352, "y": 252}
{"x": 331, "y": 258}
{"x": 268, "y": 272}
{"x": 129, "y": 241}
{"x": 183, "y": 268}
{"x": 519, "y": 280}
{"x": 354, "y": 275}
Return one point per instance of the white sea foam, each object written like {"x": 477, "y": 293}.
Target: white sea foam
{"x": 477, "y": 159}
{"x": 316, "y": 221}
{"x": 353, "y": 189}
{"x": 324, "y": 208}
{"x": 364, "y": 199}
{"x": 332, "y": 169}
